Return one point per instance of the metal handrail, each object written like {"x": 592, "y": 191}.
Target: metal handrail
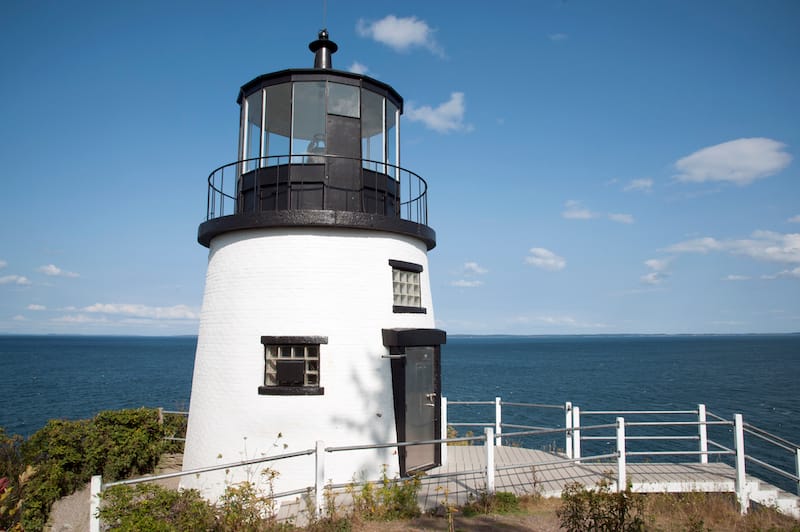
{"x": 771, "y": 438}
{"x": 636, "y": 412}
{"x": 772, "y": 468}
{"x": 417, "y": 188}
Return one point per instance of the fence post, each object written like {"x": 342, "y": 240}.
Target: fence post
{"x": 797, "y": 468}
{"x": 444, "y": 434}
{"x": 622, "y": 478}
{"x": 95, "y": 489}
{"x": 160, "y": 415}
{"x": 568, "y": 426}
{"x": 701, "y": 419}
{"x": 319, "y": 480}
{"x": 741, "y": 488}
{"x": 489, "y": 446}
{"x": 576, "y": 432}
{"x": 498, "y": 420}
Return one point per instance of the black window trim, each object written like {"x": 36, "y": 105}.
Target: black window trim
{"x": 292, "y": 340}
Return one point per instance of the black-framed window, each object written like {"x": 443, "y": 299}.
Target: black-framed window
{"x": 406, "y": 287}
{"x": 292, "y": 365}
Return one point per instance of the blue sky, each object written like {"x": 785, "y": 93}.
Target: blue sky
{"x": 594, "y": 167}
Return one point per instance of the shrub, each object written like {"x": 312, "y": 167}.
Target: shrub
{"x": 501, "y": 502}
{"x": 600, "y": 509}
{"x": 151, "y": 507}
{"x": 391, "y": 499}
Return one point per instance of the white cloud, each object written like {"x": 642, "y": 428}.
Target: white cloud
{"x": 736, "y": 278}
{"x": 621, "y": 218}
{"x": 400, "y": 34}
{"x": 79, "y": 318}
{"x": 467, "y": 283}
{"x": 658, "y": 273}
{"x": 54, "y": 271}
{"x": 19, "y": 317}
{"x": 447, "y": 117}
{"x": 15, "y": 279}
{"x": 575, "y": 211}
{"x": 763, "y": 245}
{"x": 474, "y": 268}
{"x": 557, "y": 320}
{"x": 34, "y": 306}
{"x": 740, "y": 161}
{"x": 470, "y": 271}
{"x": 794, "y": 219}
{"x": 545, "y": 259}
{"x": 176, "y": 312}
{"x": 644, "y": 184}
{"x": 3, "y": 263}
{"x": 558, "y": 37}
{"x": 785, "y": 274}
{"x": 358, "y": 68}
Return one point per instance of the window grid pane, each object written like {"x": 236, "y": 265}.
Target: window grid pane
{"x": 406, "y": 288}
{"x": 307, "y": 353}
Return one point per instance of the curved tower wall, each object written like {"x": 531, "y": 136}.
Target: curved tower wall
{"x": 323, "y": 282}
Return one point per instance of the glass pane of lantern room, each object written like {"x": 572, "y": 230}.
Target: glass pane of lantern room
{"x": 372, "y": 130}
{"x": 392, "y": 151}
{"x": 278, "y": 123}
{"x": 308, "y": 120}
{"x": 343, "y": 100}
{"x": 252, "y": 149}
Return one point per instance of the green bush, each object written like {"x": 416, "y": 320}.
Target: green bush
{"x": 600, "y": 509}
{"x": 501, "y": 502}
{"x": 391, "y": 499}
{"x": 65, "y": 454}
{"x": 151, "y": 507}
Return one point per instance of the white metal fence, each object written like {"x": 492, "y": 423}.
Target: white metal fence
{"x": 574, "y": 432}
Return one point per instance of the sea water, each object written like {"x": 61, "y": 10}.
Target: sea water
{"x": 73, "y": 377}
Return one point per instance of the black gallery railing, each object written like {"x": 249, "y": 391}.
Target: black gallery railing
{"x": 317, "y": 182}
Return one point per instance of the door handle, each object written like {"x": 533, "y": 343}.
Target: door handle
{"x": 430, "y": 397}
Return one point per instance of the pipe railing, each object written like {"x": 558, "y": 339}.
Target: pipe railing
{"x": 492, "y": 439}
{"x": 382, "y": 188}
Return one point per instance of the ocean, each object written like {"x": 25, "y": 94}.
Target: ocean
{"x": 73, "y": 377}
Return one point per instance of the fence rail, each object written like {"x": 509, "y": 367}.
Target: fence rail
{"x": 573, "y": 432}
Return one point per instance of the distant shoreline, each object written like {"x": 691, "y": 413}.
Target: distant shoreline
{"x": 455, "y": 335}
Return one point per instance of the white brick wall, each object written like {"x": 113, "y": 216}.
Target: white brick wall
{"x": 297, "y": 282}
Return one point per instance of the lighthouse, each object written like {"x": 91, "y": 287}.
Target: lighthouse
{"x": 317, "y": 321}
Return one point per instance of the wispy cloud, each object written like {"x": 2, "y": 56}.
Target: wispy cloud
{"x": 400, "y": 33}
{"x": 558, "y": 37}
{"x": 736, "y": 278}
{"x": 784, "y": 274}
{"x": 20, "y": 280}
{"x": 574, "y": 210}
{"x": 762, "y": 245}
{"x": 557, "y": 320}
{"x": 620, "y": 218}
{"x": 54, "y": 271}
{"x": 545, "y": 259}
{"x": 80, "y": 319}
{"x": 644, "y": 184}
{"x": 358, "y": 68}
{"x": 446, "y": 117}
{"x": 3, "y": 263}
{"x": 176, "y": 312}
{"x": 19, "y": 317}
{"x": 469, "y": 273}
{"x": 658, "y": 271}
{"x": 34, "y": 306}
{"x": 739, "y": 161}
{"x": 794, "y": 219}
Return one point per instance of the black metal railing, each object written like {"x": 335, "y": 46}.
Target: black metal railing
{"x": 317, "y": 181}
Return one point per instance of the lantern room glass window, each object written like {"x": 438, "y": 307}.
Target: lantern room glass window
{"x": 277, "y": 122}
{"x": 253, "y": 123}
{"x": 343, "y": 100}
{"x": 308, "y": 120}
{"x": 372, "y": 124}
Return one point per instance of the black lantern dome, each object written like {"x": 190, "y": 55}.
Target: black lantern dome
{"x": 318, "y": 147}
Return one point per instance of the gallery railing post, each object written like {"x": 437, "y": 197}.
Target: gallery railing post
{"x": 498, "y": 420}
{"x": 622, "y": 479}
{"x": 489, "y": 447}
{"x": 445, "y": 435}
{"x": 576, "y": 432}
{"x": 702, "y": 428}
{"x": 741, "y": 482}
{"x": 568, "y": 426}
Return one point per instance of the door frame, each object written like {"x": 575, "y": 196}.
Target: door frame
{"x": 397, "y": 340}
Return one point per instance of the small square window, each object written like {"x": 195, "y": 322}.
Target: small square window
{"x": 291, "y": 365}
{"x": 406, "y": 287}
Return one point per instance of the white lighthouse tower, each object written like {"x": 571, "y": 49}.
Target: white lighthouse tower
{"x": 317, "y": 319}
